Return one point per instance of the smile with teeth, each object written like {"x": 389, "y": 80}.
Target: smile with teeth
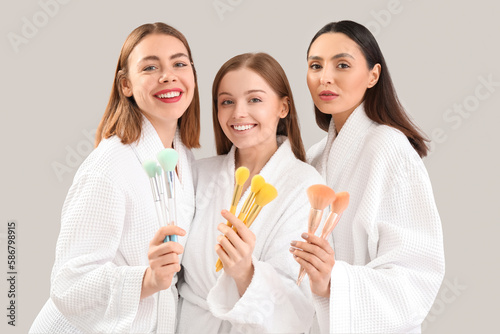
{"x": 243, "y": 127}
{"x": 168, "y": 95}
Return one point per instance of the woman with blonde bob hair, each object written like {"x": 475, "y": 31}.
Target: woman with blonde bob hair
{"x": 256, "y": 126}
{"x": 112, "y": 271}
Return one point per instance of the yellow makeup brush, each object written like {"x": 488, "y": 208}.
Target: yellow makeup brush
{"x": 319, "y": 197}
{"x": 338, "y": 207}
{"x": 264, "y": 196}
{"x": 240, "y": 177}
{"x": 257, "y": 183}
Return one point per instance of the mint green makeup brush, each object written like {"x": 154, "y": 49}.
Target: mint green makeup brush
{"x": 168, "y": 160}
{"x": 151, "y": 168}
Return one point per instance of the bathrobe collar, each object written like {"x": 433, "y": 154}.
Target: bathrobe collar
{"x": 148, "y": 146}
{"x": 339, "y": 148}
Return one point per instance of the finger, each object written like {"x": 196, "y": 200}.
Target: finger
{"x": 228, "y": 247}
{"x": 308, "y": 267}
{"x": 243, "y": 231}
{"x": 165, "y": 248}
{"x": 320, "y": 242}
{"x": 231, "y": 235}
{"x": 163, "y": 261}
{"x": 312, "y": 259}
{"x": 222, "y": 255}
{"x": 164, "y": 231}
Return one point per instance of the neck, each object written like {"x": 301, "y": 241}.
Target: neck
{"x": 340, "y": 118}
{"x": 254, "y": 159}
{"x": 165, "y": 130}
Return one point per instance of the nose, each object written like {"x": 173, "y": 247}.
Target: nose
{"x": 168, "y": 76}
{"x": 239, "y": 110}
{"x": 326, "y": 76}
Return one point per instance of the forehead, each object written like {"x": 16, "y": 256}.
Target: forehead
{"x": 160, "y": 45}
{"x": 330, "y": 44}
{"x": 242, "y": 80}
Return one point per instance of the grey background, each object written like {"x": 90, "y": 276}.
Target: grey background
{"x": 55, "y": 87}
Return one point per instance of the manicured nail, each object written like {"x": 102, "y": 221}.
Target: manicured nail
{"x": 305, "y": 235}
{"x": 292, "y": 250}
{"x": 293, "y": 243}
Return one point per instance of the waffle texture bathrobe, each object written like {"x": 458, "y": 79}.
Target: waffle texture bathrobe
{"x": 108, "y": 220}
{"x": 210, "y": 301}
{"x": 388, "y": 245}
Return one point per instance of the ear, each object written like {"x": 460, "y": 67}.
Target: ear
{"x": 125, "y": 86}
{"x": 374, "y": 75}
{"x": 285, "y": 103}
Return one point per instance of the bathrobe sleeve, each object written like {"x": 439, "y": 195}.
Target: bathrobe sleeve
{"x": 92, "y": 292}
{"x": 272, "y": 303}
{"x": 394, "y": 291}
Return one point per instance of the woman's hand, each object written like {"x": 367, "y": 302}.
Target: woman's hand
{"x": 317, "y": 258}
{"x": 163, "y": 261}
{"x": 235, "y": 251}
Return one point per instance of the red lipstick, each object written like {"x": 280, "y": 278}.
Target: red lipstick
{"x": 169, "y": 95}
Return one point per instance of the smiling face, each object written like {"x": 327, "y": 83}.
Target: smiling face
{"x": 338, "y": 75}
{"x": 249, "y": 110}
{"x": 160, "y": 78}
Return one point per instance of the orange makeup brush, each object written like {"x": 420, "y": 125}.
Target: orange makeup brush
{"x": 338, "y": 207}
{"x": 319, "y": 197}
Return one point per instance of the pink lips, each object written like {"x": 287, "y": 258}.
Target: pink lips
{"x": 169, "y": 99}
{"x": 327, "y": 95}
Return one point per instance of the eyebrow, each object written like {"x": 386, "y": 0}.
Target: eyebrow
{"x": 176, "y": 55}
{"x": 340, "y": 55}
{"x": 246, "y": 93}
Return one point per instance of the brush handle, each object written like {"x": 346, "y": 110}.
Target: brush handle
{"x": 312, "y": 225}
{"x": 171, "y": 213}
{"x": 331, "y": 221}
{"x": 302, "y": 274}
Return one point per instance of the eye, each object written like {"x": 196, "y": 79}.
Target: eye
{"x": 150, "y": 68}
{"x": 255, "y": 100}
{"x": 315, "y": 66}
{"x": 226, "y": 102}
{"x": 180, "y": 64}
{"x": 343, "y": 65}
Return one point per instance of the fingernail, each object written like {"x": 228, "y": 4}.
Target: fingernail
{"x": 291, "y": 249}
{"x": 293, "y": 243}
{"x": 305, "y": 235}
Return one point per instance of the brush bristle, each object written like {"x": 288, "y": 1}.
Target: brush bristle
{"x": 168, "y": 159}
{"x": 265, "y": 195}
{"x": 341, "y": 202}
{"x": 257, "y": 183}
{"x": 241, "y": 175}
{"x": 158, "y": 170}
{"x": 320, "y": 196}
{"x": 150, "y": 167}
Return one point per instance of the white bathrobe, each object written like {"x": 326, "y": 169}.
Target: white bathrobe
{"x": 210, "y": 301}
{"x": 108, "y": 220}
{"x": 388, "y": 244}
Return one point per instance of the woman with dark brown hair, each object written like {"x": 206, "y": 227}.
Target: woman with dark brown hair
{"x": 256, "y": 126}
{"x": 384, "y": 265}
{"x": 110, "y": 257}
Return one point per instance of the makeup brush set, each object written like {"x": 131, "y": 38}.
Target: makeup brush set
{"x": 161, "y": 174}
{"x": 261, "y": 194}
{"x": 320, "y": 196}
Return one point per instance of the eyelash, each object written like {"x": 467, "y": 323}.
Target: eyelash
{"x": 154, "y": 67}
{"x": 226, "y": 102}
{"x": 340, "y": 65}
{"x": 252, "y": 100}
